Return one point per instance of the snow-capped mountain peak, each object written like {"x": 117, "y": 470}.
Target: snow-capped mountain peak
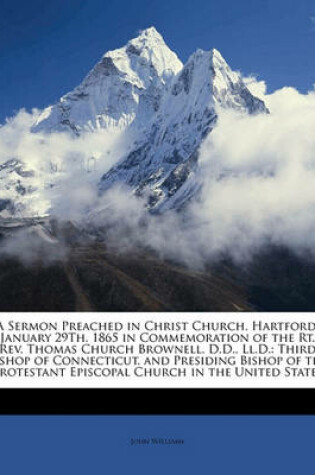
{"x": 169, "y": 108}
{"x": 125, "y": 85}
{"x": 163, "y": 162}
{"x": 207, "y": 73}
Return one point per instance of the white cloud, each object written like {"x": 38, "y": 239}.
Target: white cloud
{"x": 259, "y": 188}
{"x": 72, "y": 165}
{"x": 257, "y": 87}
{"x": 258, "y": 174}
{"x": 266, "y": 190}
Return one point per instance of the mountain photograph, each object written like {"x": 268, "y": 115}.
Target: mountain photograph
{"x": 158, "y": 183}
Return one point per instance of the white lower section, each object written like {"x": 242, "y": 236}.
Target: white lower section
{"x": 137, "y": 350}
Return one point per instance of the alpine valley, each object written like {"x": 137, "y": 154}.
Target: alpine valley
{"x": 156, "y": 113}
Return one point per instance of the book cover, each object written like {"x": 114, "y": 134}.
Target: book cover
{"x": 157, "y": 262}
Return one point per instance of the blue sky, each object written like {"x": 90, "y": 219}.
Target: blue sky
{"x": 46, "y": 47}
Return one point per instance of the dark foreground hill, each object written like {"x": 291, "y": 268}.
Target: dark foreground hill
{"x": 67, "y": 273}
{"x": 91, "y": 279}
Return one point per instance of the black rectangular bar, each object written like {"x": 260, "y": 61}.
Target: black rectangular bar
{"x": 157, "y": 401}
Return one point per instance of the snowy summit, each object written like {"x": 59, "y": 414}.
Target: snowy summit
{"x": 126, "y": 84}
